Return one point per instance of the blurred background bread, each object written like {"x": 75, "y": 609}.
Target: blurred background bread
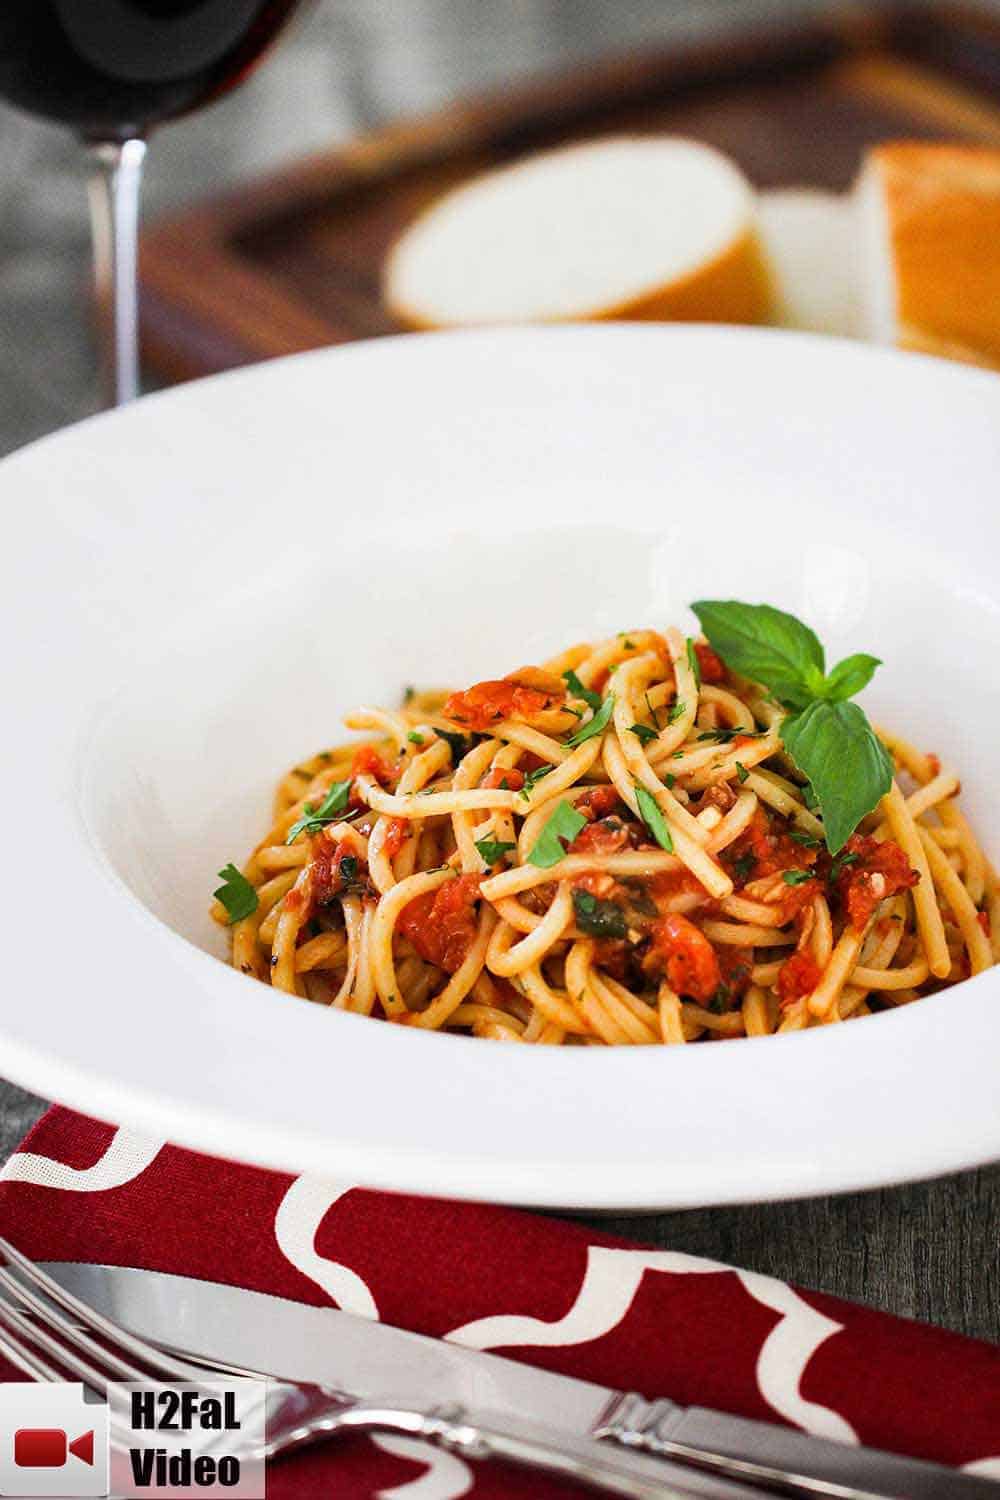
{"x": 654, "y": 227}
{"x": 929, "y": 221}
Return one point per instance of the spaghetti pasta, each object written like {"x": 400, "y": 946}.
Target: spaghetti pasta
{"x": 613, "y": 848}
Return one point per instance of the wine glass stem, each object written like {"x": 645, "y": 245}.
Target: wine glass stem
{"x": 115, "y": 182}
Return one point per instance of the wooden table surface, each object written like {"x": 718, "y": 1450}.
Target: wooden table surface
{"x": 929, "y": 1250}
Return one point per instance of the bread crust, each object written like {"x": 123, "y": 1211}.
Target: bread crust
{"x": 943, "y": 221}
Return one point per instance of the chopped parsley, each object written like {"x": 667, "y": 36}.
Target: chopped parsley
{"x": 642, "y": 732}
{"x": 840, "y": 863}
{"x": 669, "y": 780}
{"x": 595, "y": 725}
{"x": 726, "y": 736}
{"x": 563, "y": 825}
{"x": 600, "y": 919}
{"x": 741, "y": 771}
{"x": 315, "y": 818}
{"x": 652, "y": 816}
{"x": 533, "y": 778}
{"x": 415, "y": 738}
{"x": 807, "y": 840}
{"x": 796, "y": 877}
{"x": 743, "y": 866}
{"x": 236, "y": 894}
{"x": 676, "y": 709}
{"x": 576, "y": 687}
{"x": 491, "y": 851}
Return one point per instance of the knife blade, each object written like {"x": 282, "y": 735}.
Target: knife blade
{"x": 328, "y": 1347}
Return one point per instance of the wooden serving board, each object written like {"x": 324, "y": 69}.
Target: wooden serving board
{"x": 293, "y": 262}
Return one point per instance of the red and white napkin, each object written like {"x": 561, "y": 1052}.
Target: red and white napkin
{"x": 544, "y": 1291}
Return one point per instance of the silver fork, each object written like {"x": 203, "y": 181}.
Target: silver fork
{"x": 51, "y": 1335}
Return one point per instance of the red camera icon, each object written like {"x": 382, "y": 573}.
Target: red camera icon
{"x": 49, "y": 1447}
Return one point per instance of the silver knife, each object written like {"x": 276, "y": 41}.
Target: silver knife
{"x": 324, "y": 1346}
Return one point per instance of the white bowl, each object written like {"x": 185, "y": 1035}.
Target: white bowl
{"x": 198, "y": 587}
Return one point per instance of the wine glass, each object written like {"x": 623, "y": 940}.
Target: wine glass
{"x": 112, "y": 70}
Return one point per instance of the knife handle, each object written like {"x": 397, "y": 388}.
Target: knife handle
{"x": 780, "y": 1459}
{"x": 481, "y": 1435}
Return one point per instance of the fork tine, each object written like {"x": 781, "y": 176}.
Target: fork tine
{"x": 25, "y": 1358}
{"x": 169, "y": 1367}
{"x": 15, "y": 1322}
{"x": 115, "y": 1368}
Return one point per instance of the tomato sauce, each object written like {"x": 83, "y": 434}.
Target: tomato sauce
{"x": 441, "y": 924}
{"x": 876, "y": 871}
{"x": 761, "y": 850}
{"x": 797, "y": 977}
{"x": 662, "y": 888}
{"x": 711, "y": 666}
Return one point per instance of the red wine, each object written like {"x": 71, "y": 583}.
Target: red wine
{"x": 113, "y": 68}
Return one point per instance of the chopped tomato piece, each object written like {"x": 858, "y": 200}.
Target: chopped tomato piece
{"x": 441, "y": 924}
{"x": 606, "y": 836}
{"x": 685, "y": 955}
{"x": 395, "y": 836}
{"x": 598, "y": 802}
{"x": 604, "y": 833}
{"x": 798, "y": 976}
{"x": 510, "y": 779}
{"x": 711, "y": 666}
{"x": 983, "y": 918}
{"x": 368, "y": 762}
{"x": 765, "y": 850}
{"x": 519, "y": 696}
{"x": 336, "y": 867}
{"x": 876, "y": 871}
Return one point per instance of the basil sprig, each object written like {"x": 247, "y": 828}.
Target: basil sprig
{"x": 828, "y": 738}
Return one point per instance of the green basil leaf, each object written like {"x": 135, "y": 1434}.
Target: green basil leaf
{"x": 600, "y": 919}
{"x": 796, "y": 877}
{"x": 493, "y": 850}
{"x": 460, "y": 744}
{"x": 849, "y": 677}
{"x": 642, "y": 732}
{"x": 329, "y": 810}
{"x": 563, "y": 824}
{"x": 848, "y": 767}
{"x": 236, "y": 894}
{"x": 652, "y": 816}
{"x": 595, "y": 725}
{"x": 576, "y": 687}
{"x": 767, "y": 645}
